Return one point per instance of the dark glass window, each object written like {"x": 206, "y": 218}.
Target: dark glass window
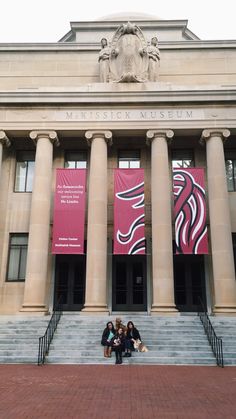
{"x": 234, "y": 248}
{"x": 17, "y": 257}
{"x": 25, "y": 164}
{"x": 76, "y": 160}
{"x": 230, "y": 167}
{"x": 129, "y": 159}
{"x": 182, "y": 159}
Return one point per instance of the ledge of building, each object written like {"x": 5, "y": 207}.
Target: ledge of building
{"x": 124, "y": 92}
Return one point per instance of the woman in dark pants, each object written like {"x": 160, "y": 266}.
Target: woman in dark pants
{"x": 107, "y": 336}
{"x": 131, "y": 335}
{"x": 118, "y": 345}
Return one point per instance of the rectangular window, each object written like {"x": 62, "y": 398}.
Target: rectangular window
{"x": 17, "y": 257}
{"x": 234, "y": 248}
{"x": 76, "y": 160}
{"x": 182, "y": 159}
{"x": 230, "y": 167}
{"x": 25, "y": 165}
{"x": 129, "y": 159}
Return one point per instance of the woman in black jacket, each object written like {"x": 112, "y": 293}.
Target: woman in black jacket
{"x": 131, "y": 336}
{"x": 107, "y": 336}
{"x": 118, "y": 344}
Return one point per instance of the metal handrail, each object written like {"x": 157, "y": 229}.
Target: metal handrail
{"x": 45, "y": 340}
{"x": 215, "y": 342}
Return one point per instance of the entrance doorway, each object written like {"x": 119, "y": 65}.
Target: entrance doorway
{"x": 70, "y": 281}
{"x": 129, "y": 288}
{"x": 189, "y": 278}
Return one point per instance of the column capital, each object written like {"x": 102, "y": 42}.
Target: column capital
{"x": 106, "y": 135}
{"x": 153, "y": 134}
{"x": 223, "y": 133}
{"x": 51, "y": 135}
{"x": 4, "y": 140}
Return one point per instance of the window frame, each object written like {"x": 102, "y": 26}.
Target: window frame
{"x": 26, "y": 160}
{"x": 129, "y": 159}
{"x": 16, "y": 246}
{"x": 84, "y": 152}
{"x": 231, "y": 155}
{"x": 183, "y": 151}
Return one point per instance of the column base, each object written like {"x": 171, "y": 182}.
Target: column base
{"x": 95, "y": 309}
{"x": 226, "y": 310}
{"x": 164, "y": 310}
{"x": 34, "y": 308}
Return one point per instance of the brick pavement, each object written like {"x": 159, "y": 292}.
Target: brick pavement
{"x": 117, "y": 392}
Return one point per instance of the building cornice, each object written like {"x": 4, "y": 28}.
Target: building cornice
{"x": 153, "y": 25}
{"x": 89, "y": 95}
{"x": 76, "y": 46}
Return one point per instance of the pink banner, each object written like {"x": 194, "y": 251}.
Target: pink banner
{"x": 69, "y": 211}
{"x": 129, "y": 235}
{"x": 190, "y": 211}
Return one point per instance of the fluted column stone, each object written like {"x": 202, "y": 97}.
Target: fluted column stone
{"x": 220, "y": 222}
{"x": 39, "y": 226}
{"x": 4, "y": 141}
{"x": 162, "y": 253}
{"x": 96, "y": 265}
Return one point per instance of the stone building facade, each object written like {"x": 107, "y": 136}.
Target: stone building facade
{"x": 61, "y": 106}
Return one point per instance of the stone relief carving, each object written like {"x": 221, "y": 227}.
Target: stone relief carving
{"x": 154, "y": 59}
{"x": 103, "y": 59}
{"x": 129, "y": 58}
{"x": 129, "y": 61}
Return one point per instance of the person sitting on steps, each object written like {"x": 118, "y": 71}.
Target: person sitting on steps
{"x": 119, "y": 324}
{"x": 107, "y": 336}
{"x": 118, "y": 345}
{"x": 131, "y": 336}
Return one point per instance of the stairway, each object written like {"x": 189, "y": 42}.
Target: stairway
{"x": 225, "y": 327}
{"x": 171, "y": 341}
{"x": 19, "y": 338}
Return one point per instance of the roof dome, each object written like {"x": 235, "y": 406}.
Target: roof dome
{"x": 129, "y": 16}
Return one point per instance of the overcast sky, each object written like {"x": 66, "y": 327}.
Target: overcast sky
{"x": 49, "y": 20}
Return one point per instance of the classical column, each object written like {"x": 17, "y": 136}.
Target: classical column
{"x": 162, "y": 254}
{"x": 4, "y": 140}
{"x": 39, "y": 228}
{"x": 220, "y": 223}
{"x": 96, "y": 265}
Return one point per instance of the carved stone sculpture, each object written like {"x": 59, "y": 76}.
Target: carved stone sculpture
{"x": 129, "y": 59}
{"x": 154, "y": 60}
{"x": 103, "y": 59}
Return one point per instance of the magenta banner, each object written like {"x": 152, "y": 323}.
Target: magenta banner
{"x": 190, "y": 211}
{"x": 69, "y": 211}
{"x": 129, "y": 235}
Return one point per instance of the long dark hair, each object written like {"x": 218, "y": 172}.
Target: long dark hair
{"x": 112, "y": 329}
{"x": 129, "y": 324}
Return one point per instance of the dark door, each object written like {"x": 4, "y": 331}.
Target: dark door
{"x": 70, "y": 281}
{"x": 189, "y": 280}
{"x": 129, "y": 283}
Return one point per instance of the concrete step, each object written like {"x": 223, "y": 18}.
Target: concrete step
{"x": 19, "y": 338}
{"x": 147, "y": 340}
{"x": 154, "y": 355}
{"x": 20, "y": 359}
{"x": 150, "y": 360}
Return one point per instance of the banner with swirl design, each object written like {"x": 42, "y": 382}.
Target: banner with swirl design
{"x": 190, "y": 211}
{"x": 129, "y": 235}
